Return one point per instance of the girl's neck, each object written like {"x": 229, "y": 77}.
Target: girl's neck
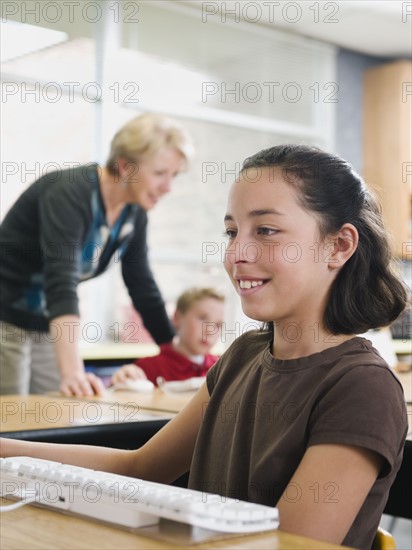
{"x": 294, "y": 340}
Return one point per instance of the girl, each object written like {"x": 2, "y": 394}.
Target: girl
{"x": 304, "y": 415}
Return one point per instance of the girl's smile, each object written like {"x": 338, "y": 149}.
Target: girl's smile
{"x": 249, "y": 285}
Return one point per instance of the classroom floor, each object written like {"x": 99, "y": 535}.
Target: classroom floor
{"x": 401, "y": 531}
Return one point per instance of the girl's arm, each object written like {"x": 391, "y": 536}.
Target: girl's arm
{"x": 168, "y": 454}
{"x": 327, "y": 491}
{"x": 163, "y": 458}
{"x": 87, "y": 456}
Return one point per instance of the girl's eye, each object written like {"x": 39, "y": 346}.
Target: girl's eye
{"x": 229, "y": 233}
{"x": 267, "y": 231}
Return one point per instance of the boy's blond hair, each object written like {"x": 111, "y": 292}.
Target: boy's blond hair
{"x": 193, "y": 295}
{"x": 146, "y": 134}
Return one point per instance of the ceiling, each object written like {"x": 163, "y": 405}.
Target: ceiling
{"x": 381, "y": 28}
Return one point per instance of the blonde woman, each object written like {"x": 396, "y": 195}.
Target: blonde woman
{"x": 68, "y": 227}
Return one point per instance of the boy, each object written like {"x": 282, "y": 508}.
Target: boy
{"x": 198, "y": 320}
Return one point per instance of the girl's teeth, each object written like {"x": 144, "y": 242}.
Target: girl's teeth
{"x": 250, "y": 284}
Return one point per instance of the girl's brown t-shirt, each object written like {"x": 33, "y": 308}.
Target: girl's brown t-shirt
{"x": 264, "y": 413}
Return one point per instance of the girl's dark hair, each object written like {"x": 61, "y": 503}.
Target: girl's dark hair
{"x": 366, "y": 293}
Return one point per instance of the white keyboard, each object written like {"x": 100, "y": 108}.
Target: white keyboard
{"x": 127, "y": 501}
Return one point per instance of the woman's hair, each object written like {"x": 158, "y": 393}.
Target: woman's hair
{"x": 146, "y": 134}
{"x": 366, "y": 293}
{"x": 188, "y": 298}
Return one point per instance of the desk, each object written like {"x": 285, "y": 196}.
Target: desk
{"x": 155, "y": 401}
{"x": 112, "y": 353}
{"x": 115, "y": 354}
{"x": 35, "y": 528}
{"x": 405, "y": 379}
{"x": 402, "y": 347}
{"x": 121, "y": 419}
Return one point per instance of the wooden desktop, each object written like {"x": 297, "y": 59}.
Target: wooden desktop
{"x": 31, "y": 528}
{"x": 121, "y": 419}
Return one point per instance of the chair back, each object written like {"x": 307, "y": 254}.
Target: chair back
{"x": 399, "y": 502}
{"x": 383, "y": 540}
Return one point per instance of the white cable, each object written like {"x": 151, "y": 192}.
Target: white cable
{"x": 11, "y": 507}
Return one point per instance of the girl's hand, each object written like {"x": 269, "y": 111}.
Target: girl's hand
{"x": 126, "y": 372}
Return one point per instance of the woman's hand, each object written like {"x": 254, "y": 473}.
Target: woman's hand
{"x": 82, "y": 384}
{"x": 126, "y": 372}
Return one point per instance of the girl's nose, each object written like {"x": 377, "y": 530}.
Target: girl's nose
{"x": 241, "y": 250}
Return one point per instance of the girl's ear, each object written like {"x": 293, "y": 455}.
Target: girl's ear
{"x": 345, "y": 242}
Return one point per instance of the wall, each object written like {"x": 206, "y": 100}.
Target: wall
{"x": 349, "y": 138}
{"x": 349, "y": 72}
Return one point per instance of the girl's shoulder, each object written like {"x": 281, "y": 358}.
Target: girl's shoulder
{"x": 250, "y": 344}
{"x": 249, "y": 347}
